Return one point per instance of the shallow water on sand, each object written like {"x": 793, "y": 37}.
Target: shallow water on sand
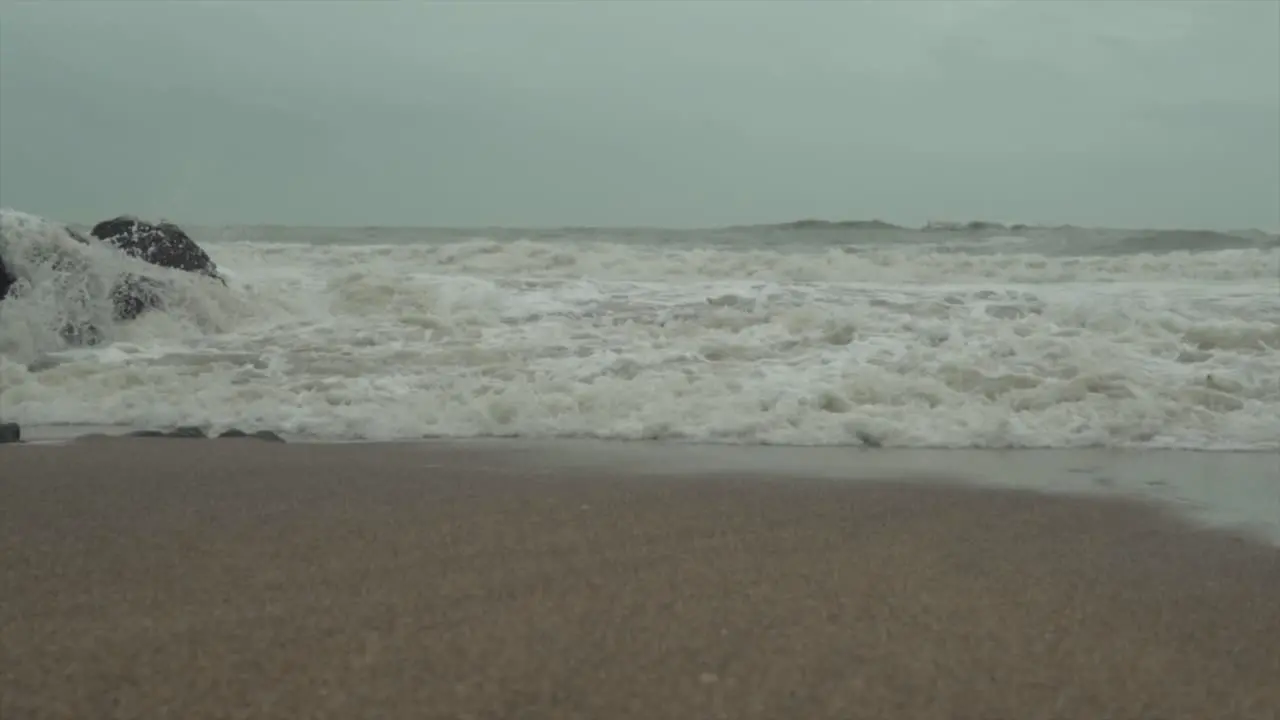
{"x": 1238, "y": 490}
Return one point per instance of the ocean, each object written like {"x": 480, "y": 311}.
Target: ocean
{"x": 801, "y": 334}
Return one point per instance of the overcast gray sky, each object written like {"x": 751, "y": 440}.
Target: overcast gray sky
{"x": 1141, "y": 113}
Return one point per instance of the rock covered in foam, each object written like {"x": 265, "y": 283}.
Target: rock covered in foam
{"x": 29, "y": 240}
{"x": 29, "y": 243}
{"x": 134, "y": 295}
{"x": 163, "y": 244}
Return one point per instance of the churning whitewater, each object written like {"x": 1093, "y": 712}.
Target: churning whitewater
{"x": 810, "y": 334}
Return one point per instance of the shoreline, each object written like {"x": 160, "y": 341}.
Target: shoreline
{"x": 200, "y": 579}
{"x": 1236, "y": 490}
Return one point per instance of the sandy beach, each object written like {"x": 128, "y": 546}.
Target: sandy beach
{"x": 237, "y": 579}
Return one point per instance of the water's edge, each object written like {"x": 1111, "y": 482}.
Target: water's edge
{"x": 1237, "y": 491}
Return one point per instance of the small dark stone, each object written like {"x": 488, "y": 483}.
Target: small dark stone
{"x": 10, "y": 433}
{"x": 186, "y": 431}
{"x": 264, "y": 435}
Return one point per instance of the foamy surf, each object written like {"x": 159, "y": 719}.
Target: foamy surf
{"x": 757, "y": 337}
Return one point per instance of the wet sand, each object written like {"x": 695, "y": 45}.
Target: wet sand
{"x": 217, "y": 579}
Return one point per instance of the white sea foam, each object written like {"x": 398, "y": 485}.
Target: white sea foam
{"x": 902, "y": 344}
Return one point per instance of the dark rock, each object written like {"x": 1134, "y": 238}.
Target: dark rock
{"x": 163, "y": 244}
{"x": 264, "y": 435}
{"x": 185, "y": 431}
{"x": 6, "y": 280}
{"x": 10, "y": 433}
{"x": 196, "y": 433}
